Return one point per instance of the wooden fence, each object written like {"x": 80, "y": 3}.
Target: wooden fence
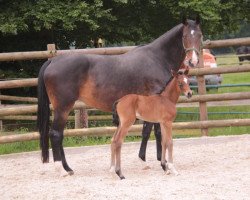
{"x": 202, "y": 98}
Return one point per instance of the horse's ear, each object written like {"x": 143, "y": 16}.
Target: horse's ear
{"x": 184, "y": 20}
{"x": 198, "y": 19}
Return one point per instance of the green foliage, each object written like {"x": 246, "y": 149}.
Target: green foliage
{"x": 20, "y": 16}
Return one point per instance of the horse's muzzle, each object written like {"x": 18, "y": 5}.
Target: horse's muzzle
{"x": 192, "y": 64}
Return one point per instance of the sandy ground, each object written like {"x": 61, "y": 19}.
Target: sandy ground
{"x": 210, "y": 168}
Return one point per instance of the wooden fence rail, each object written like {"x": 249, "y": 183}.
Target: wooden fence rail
{"x": 196, "y": 98}
{"x": 109, "y": 51}
{"x": 109, "y": 131}
{"x": 193, "y": 72}
{"x": 202, "y": 98}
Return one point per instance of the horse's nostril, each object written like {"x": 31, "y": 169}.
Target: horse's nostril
{"x": 190, "y": 63}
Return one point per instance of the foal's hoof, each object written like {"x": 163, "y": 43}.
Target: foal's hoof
{"x": 172, "y": 169}
{"x": 168, "y": 172}
{"x": 118, "y": 172}
{"x": 112, "y": 169}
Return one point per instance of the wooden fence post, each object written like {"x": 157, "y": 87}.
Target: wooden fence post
{"x": 202, "y": 91}
{"x": 81, "y": 118}
{"x": 1, "y": 122}
{"x": 52, "y": 49}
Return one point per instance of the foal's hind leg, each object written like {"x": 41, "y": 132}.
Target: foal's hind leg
{"x": 117, "y": 143}
{"x": 113, "y": 151}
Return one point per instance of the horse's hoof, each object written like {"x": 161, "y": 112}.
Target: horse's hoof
{"x": 144, "y": 165}
{"x": 122, "y": 177}
{"x": 71, "y": 173}
{"x": 168, "y": 172}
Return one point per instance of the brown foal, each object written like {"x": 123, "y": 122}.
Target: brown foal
{"x": 160, "y": 108}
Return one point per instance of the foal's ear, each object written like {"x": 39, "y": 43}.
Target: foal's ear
{"x": 198, "y": 19}
{"x": 173, "y": 73}
{"x": 186, "y": 71}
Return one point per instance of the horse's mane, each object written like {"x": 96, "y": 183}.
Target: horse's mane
{"x": 166, "y": 84}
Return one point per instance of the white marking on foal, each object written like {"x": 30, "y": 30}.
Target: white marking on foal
{"x": 192, "y": 32}
{"x": 112, "y": 169}
{"x": 59, "y": 169}
{"x": 172, "y": 169}
{"x": 185, "y": 80}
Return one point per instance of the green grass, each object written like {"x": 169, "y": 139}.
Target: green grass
{"x": 87, "y": 141}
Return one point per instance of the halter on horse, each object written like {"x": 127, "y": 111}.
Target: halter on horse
{"x": 100, "y": 80}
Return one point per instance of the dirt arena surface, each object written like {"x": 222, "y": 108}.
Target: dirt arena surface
{"x": 209, "y": 167}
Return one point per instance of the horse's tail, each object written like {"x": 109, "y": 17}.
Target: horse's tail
{"x": 43, "y": 114}
{"x": 116, "y": 119}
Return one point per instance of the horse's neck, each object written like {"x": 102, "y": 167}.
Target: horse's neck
{"x": 171, "y": 47}
{"x": 172, "y": 91}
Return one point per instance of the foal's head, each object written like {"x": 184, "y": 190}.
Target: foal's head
{"x": 192, "y": 37}
{"x": 183, "y": 83}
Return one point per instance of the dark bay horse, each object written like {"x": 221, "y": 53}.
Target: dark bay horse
{"x": 159, "y": 108}
{"x": 100, "y": 80}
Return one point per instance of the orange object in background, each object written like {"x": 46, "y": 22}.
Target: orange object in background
{"x": 209, "y": 62}
{"x": 209, "y": 59}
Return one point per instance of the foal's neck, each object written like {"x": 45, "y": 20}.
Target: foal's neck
{"x": 172, "y": 91}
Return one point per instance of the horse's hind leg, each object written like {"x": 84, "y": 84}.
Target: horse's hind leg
{"x": 157, "y": 132}
{"x": 56, "y": 137}
{"x": 147, "y": 127}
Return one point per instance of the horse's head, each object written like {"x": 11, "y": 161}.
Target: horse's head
{"x": 183, "y": 82}
{"x": 191, "y": 40}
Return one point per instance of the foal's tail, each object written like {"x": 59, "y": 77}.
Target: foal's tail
{"x": 116, "y": 119}
{"x": 43, "y": 114}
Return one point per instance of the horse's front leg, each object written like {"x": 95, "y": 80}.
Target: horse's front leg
{"x": 56, "y": 137}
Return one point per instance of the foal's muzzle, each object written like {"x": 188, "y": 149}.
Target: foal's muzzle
{"x": 189, "y": 94}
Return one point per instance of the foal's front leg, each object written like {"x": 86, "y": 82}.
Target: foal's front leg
{"x": 167, "y": 143}
{"x": 171, "y": 167}
{"x": 164, "y": 146}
